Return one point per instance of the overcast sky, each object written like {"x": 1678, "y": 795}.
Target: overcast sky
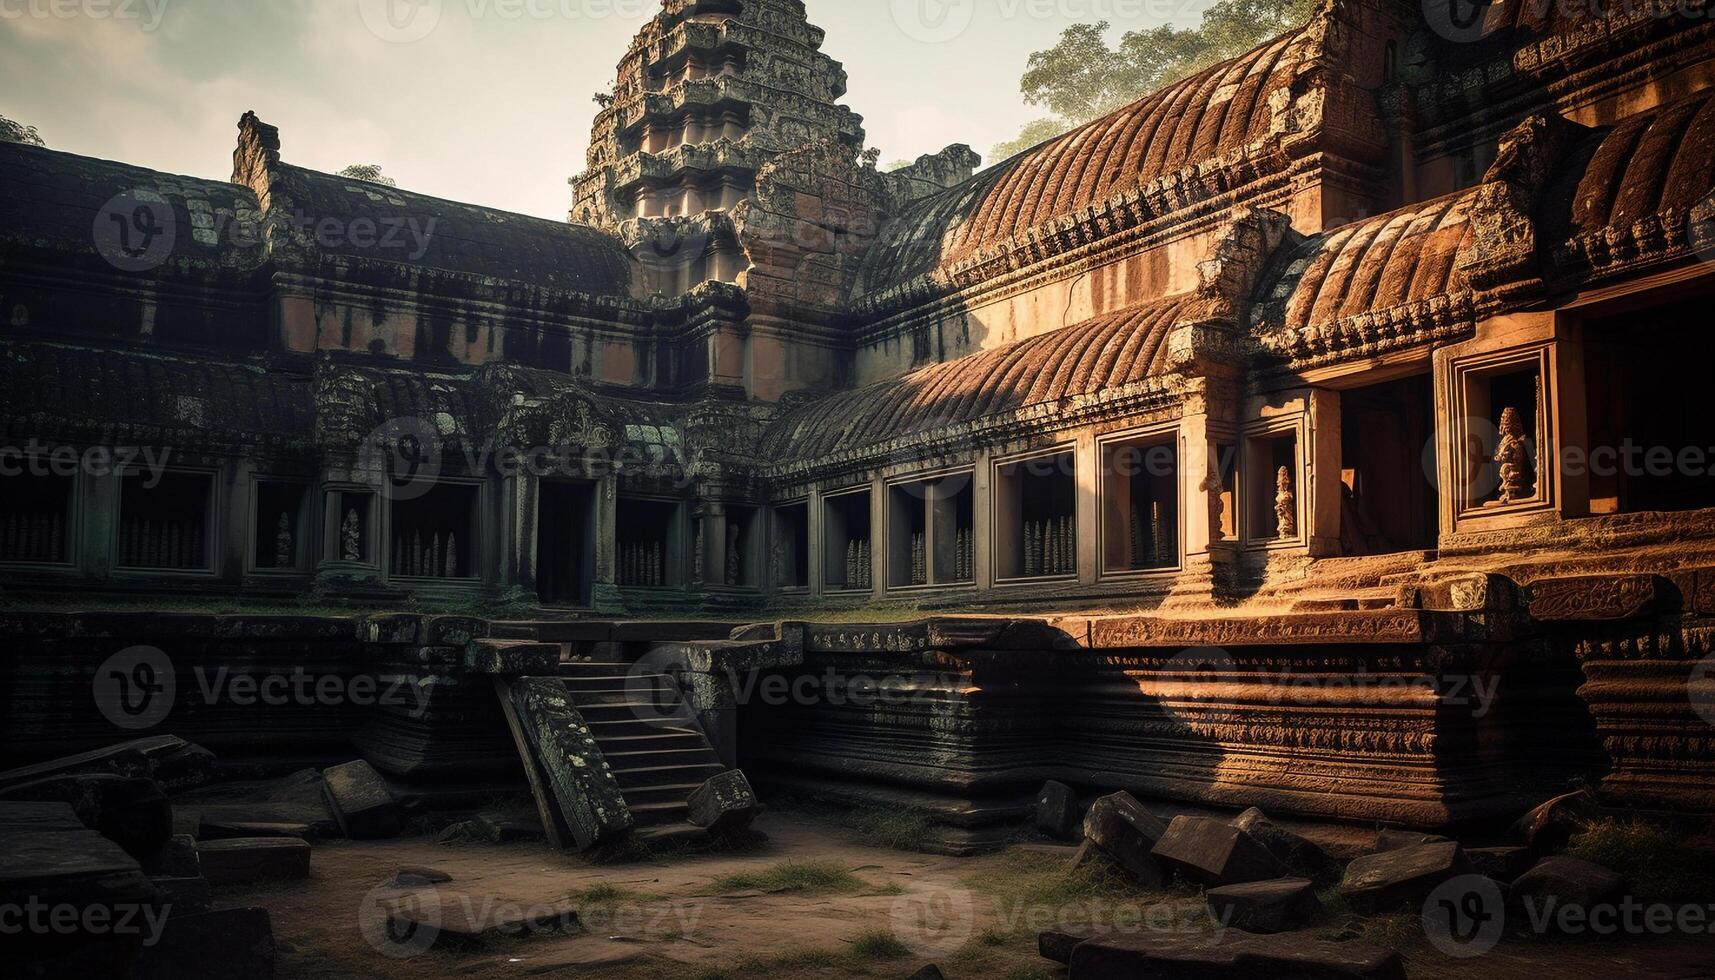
{"x": 491, "y": 106}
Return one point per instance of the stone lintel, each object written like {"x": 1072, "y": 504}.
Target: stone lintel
{"x": 1393, "y": 626}
{"x": 1592, "y": 597}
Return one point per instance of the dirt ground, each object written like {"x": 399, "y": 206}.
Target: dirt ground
{"x": 690, "y": 917}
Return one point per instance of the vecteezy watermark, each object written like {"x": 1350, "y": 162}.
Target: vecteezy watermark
{"x": 401, "y": 921}
{"x": 934, "y": 923}
{"x": 1465, "y": 917}
{"x": 1701, "y": 690}
{"x": 1465, "y": 21}
{"x": 137, "y": 687}
{"x": 407, "y": 21}
{"x": 934, "y": 21}
{"x": 35, "y": 917}
{"x": 148, "y": 14}
{"x": 136, "y": 231}
{"x": 402, "y": 457}
{"x": 37, "y": 458}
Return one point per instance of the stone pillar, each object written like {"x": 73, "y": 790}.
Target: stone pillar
{"x": 711, "y": 518}
{"x": 1087, "y": 465}
{"x": 1321, "y": 483}
{"x": 604, "y": 591}
{"x": 516, "y": 521}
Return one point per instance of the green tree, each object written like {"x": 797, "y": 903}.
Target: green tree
{"x": 1084, "y": 76}
{"x": 12, "y": 132}
{"x": 370, "y": 172}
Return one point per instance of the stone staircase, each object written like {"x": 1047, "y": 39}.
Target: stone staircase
{"x": 649, "y": 737}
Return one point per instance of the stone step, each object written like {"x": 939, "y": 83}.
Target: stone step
{"x": 594, "y": 668}
{"x": 661, "y": 697}
{"x": 662, "y": 776}
{"x": 629, "y": 727}
{"x": 656, "y": 814}
{"x": 694, "y": 753}
{"x": 672, "y": 835}
{"x": 658, "y": 741}
{"x": 674, "y": 793}
{"x": 639, "y": 710}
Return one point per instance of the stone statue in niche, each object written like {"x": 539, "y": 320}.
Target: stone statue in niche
{"x": 1211, "y": 486}
{"x": 734, "y": 561}
{"x": 351, "y": 537}
{"x": 283, "y": 542}
{"x": 1285, "y": 505}
{"x": 1513, "y": 456}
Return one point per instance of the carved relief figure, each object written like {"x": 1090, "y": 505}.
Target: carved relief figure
{"x": 734, "y": 561}
{"x": 351, "y": 537}
{"x": 1211, "y": 486}
{"x": 1516, "y": 462}
{"x": 1285, "y": 505}
{"x": 283, "y": 542}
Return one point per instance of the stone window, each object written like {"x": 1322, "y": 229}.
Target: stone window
{"x": 565, "y": 543}
{"x": 743, "y": 546}
{"x": 1500, "y": 429}
{"x": 1140, "y": 503}
{"x": 434, "y": 535}
{"x": 931, "y": 532}
{"x": 1036, "y": 522}
{"x": 37, "y": 527}
{"x": 1274, "y": 494}
{"x": 791, "y": 549}
{"x": 847, "y": 557}
{"x": 279, "y": 520}
{"x": 648, "y": 549}
{"x": 166, "y": 524}
{"x": 1388, "y": 501}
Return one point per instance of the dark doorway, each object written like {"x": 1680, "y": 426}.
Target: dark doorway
{"x": 565, "y": 548}
{"x": 1388, "y": 502}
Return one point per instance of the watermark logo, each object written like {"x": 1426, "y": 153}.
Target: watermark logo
{"x": 1701, "y": 689}
{"x": 934, "y": 21}
{"x": 669, "y": 246}
{"x": 136, "y": 687}
{"x": 1472, "y": 469}
{"x": 147, "y": 14}
{"x": 401, "y": 21}
{"x": 400, "y": 923}
{"x": 653, "y": 689}
{"x": 934, "y": 923}
{"x": 1465, "y": 917}
{"x": 403, "y": 457}
{"x": 1459, "y": 21}
{"x": 136, "y": 231}
{"x": 1187, "y": 678}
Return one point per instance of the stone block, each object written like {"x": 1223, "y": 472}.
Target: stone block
{"x": 1265, "y": 906}
{"x": 78, "y": 867}
{"x": 1176, "y": 956}
{"x": 415, "y": 877}
{"x": 512, "y": 658}
{"x": 1128, "y": 834}
{"x": 1550, "y": 827}
{"x": 1057, "y": 944}
{"x": 177, "y": 858}
{"x": 169, "y": 760}
{"x": 725, "y": 804}
{"x": 1503, "y": 864}
{"x": 1556, "y": 883}
{"x": 1404, "y": 877}
{"x": 1300, "y": 856}
{"x": 28, "y": 816}
{"x": 184, "y": 895}
{"x": 580, "y": 783}
{"x": 464, "y": 918}
{"x": 1211, "y": 853}
{"x": 244, "y": 860}
{"x": 1396, "y": 840}
{"x": 232, "y": 944}
{"x": 131, "y": 812}
{"x": 1057, "y": 811}
{"x": 361, "y": 802}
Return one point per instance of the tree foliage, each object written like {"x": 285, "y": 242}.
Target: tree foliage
{"x": 12, "y": 132}
{"x": 370, "y": 172}
{"x": 1085, "y": 76}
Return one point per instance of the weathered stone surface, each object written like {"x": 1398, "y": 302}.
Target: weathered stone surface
{"x": 30, "y": 816}
{"x": 583, "y": 786}
{"x": 216, "y": 828}
{"x": 185, "y": 895}
{"x": 1562, "y": 882}
{"x": 1211, "y": 853}
{"x": 1127, "y": 833}
{"x": 71, "y": 866}
{"x": 1548, "y": 828}
{"x": 177, "y": 858}
{"x": 1265, "y": 906}
{"x": 1503, "y": 864}
{"x": 415, "y": 877}
{"x": 512, "y": 658}
{"x": 232, "y": 944}
{"x": 1395, "y": 840}
{"x": 1057, "y": 811}
{"x": 1057, "y": 944}
{"x": 131, "y": 812}
{"x": 361, "y": 802}
{"x": 466, "y": 917}
{"x": 233, "y": 862}
{"x": 1170, "y": 956}
{"x": 725, "y": 804}
{"x": 1381, "y": 882}
{"x": 262, "y": 808}
{"x": 1297, "y": 854}
{"x": 169, "y": 760}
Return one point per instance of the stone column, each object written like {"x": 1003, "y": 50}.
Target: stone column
{"x": 1320, "y": 487}
{"x": 1207, "y": 364}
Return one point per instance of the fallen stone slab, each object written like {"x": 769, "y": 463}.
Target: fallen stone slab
{"x": 557, "y": 746}
{"x": 77, "y": 867}
{"x": 1265, "y": 906}
{"x": 1564, "y": 882}
{"x": 1399, "y": 840}
{"x": 1382, "y": 882}
{"x": 131, "y": 812}
{"x": 39, "y": 817}
{"x": 221, "y": 829}
{"x": 167, "y": 759}
{"x": 463, "y": 917}
{"x": 415, "y": 877}
{"x": 1127, "y": 834}
{"x": 1211, "y": 853}
{"x": 1176, "y": 956}
{"x": 1057, "y": 811}
{"x": 1299, "y": 855}
{"x": 1548, "y": 828}
{"x": 1503, "y": 864}
{"x": 512, "y": 658}
{"x": 1057, "y": 944}
{"x": 361, "y": 802}
{"x": 232, "y": 944}
{"x": 177, "y": 858}
{"x": 244, "y": 860}
{"x": 724, "y": 805}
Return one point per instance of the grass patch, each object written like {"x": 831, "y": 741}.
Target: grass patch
{"x": 879, "y": 944}
{"x": 793, "y": 876}
{"x": 1661, "y": 866}
{"x": 1046, "y": 880}
{"x": 605, "y": 897}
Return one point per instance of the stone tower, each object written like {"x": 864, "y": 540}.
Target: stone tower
{"x": 708, "y": 92}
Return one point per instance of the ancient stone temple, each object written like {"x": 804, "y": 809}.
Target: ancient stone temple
{"x": 1326, "y": 431}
